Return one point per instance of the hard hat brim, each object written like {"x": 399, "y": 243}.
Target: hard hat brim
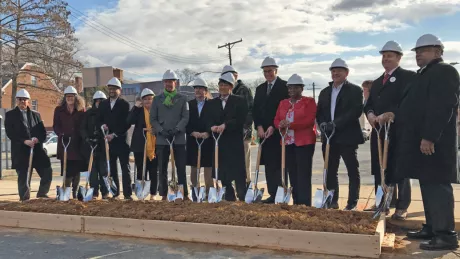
{"x": 330, "y": 69}
{"x": 414, "y": 49}
{"x": 270, "y": 66}
{"x": 225, "y": 81}
{"x": 301, "y": 85}
{"x": 147, "y": 95}
{"x": 114, "y": 86}
{"x": 395, "y": 51}
{"x": 195, "y": 86}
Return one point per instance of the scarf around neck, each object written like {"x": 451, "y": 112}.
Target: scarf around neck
{"x": 169, "y": 96}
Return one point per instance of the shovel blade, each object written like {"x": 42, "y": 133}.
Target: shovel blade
{"x": 202, "y": 194}
{"x": 328, "y": 200}
{"x": 212, "y": 196}
{"x": 195, "y": 194}
{"x": 111, "y": 187}
{"x": 287, "y": 196}
{"x": 221, "y": 194}
{"x": 279, "y": 197}
{"x": 249, "y": 198}
{"x": 318, "y": 199}
{"x": 171, "y": 194}
{"x": 180, "y": 192}
{"x": 63, "y": 194}
{"x": 259, "y": 193}
{"x": 379, "y": 196}
{"x": 84, "y": 194}
{"x": 142, "y": 189}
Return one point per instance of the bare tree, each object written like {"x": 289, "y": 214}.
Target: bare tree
{"x": 30, "y": 22}
{"x": 186, "y": 75}
{"x": 253, "y": 84}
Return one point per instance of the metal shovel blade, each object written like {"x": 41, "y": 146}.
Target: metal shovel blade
{"x": 202, "y": 194}
{"x": 279, "y": 197}
{"x": 195, "y": 193}
{"x": 249, "y": 198}
{"x": 171, "y": 194}
{"x": 328, "y": 199}
{"x": 63, "y": 194}
{"x": 259, "y": 193}
{"x": 180, "y": 192}
{"x": 212, "y": 196}
{"x": 221, "y": 194}
{"x": 379, "y": 196}
{"x": 287, "y": 196}
{"x": 111, "y": 187}
{"x": 142, "y": 189}
{"x": 84, "y": 194}
{"x": 318, "y": 199}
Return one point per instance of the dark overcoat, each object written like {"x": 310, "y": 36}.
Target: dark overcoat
{"x": 197, "y": 122}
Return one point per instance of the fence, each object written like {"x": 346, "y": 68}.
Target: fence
{"x": 5, "y": 145}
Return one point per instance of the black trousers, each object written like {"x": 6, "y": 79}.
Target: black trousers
{"x": 349, "y": 155}
{"x": 151, "y": 168}
{"x": 299, "y": 160}
{"x": 402, "y": 194}
{"x": 72, "y": 175}
{"x": 438, "y": 203}
{"x": 46, "y": 175}
{"x": 98, "y": 170}
{"x": 240, "y": 185}
{"x": 180, "y": 157}
{"x": 272, "y": 168}
{"x": 123, "y": 156}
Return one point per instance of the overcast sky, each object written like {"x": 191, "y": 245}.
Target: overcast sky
{"x": 147, "y": 37}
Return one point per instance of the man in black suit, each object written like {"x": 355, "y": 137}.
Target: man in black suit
{"x": 228, "y": 114}
{"x": 113, "y": 114}
{"x": 426, "y": 120}
{"x": 340, "y": 106}
{"x": 25, "y": 129}
{"x": 267, "y": 98}
{"x": 385, "y": 95}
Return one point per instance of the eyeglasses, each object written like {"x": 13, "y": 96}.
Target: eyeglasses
{"x": 22, "y": 99}
{"x": 269, "y": 71}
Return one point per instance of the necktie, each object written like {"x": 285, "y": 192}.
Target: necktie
{"x": 385, "y": 78}
{"x": 224, "y": 102}
{"x": 269, "y": 88}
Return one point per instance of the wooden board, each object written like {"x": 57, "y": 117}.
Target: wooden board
{"x": 275, "y": 239}
{"x": 388, "y": 244}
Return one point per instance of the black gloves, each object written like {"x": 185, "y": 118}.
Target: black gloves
{"x": 172, "y": 132}
{"x": 327, "y": 127}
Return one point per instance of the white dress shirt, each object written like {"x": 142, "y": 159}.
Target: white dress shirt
{"x": 335, "y": 92}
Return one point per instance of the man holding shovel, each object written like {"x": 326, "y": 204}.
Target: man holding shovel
{"x": 26, "y": 131}
{"x": 340, "y": 106}
{"x": 385, "y": 95}
{"x": 267, "y": 98}
{"x": 426, "y": 121}
{"x": 169, "y": 116}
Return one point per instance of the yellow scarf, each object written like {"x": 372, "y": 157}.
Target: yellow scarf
{"x": 151, "y": 139}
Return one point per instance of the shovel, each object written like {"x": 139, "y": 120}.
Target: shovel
{"x": 283, "y": 193}
{"x": 142, "y": 187}
{"x": 197, "y": 191}
{"x": 217, "y": 192}
{"x": 175, "y": 190}
{"x": 29, "y": 173}
{"x": 109, "y": 183}
{"x": 253, "y": 194}
{"x": 85, "y": 194}
{"x": 323, "y": 198}
{"x": 63, "y": 193}
{"x": 387, "y": 190}
{"x": 380, "y": 192}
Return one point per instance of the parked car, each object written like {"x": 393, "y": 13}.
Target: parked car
{"x": 366, "y": 134}
{"x": 50, "y": 146}
{"x": 49, "y": 134}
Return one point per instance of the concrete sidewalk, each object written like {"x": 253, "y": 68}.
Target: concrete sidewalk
{"x": 8, "y": 191}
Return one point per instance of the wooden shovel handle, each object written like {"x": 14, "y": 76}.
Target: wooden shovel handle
{"x": 259, "y": 156}
{"x": 326, "y": 156}
{"x": 283, "y": 162}
{"x": 216, "y": 157}
{"x": 64, "y": 170}
{"x": 144, "y": 161}
{"x": 385, "y": 154}
{"x": 90, "y": 166}
{"x": 198, "y": 161}
{"x": 173, "y": 168}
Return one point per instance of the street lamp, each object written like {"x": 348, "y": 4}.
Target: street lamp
{"x": 199, "y": 73}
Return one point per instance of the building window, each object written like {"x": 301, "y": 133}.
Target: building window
{"x": 34, "y": 105}
{"x": 34, "y": 80}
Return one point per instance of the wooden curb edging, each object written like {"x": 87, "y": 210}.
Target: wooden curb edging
{"x": 274, "y": 239}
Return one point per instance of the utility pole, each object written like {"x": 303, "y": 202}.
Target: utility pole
{"x": 313, "y": 88}
{"x": 229, "y": 46}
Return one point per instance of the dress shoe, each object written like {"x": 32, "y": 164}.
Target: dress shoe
{"x": 373, "y": 208}
{"x": 399, "y": 215}
{"x": 152, "y": 197}
{"x": 269, "y": 200}
{"x": 42, "y": 196}
{"x": 334, "y": 206}
{"x": 425, "y": 233}
{"x": 105, "y": 196}
{"x": 164, "y": 198}
{"x": 441, "y": 242}
{"x": 128, "y": 198}
{"x": 350, "y": 207}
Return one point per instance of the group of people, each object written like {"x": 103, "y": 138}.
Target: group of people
{"x": 420, "y": 106}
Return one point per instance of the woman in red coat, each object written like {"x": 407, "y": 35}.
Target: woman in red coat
{"x": 297, "y": 116}
{"x": 68, "y": 117}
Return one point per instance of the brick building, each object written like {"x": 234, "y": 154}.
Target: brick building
{"x": 44, "y": 93}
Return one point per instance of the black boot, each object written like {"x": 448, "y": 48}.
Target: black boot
{"x": 441, "y": 242}
{"x": 425, "y": 233}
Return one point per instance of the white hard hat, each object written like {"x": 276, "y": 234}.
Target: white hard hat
{"x": 99, "y": 95}
{"x": 269, "y": 62}
{"x": 392, "y": 46}
{"x": 22, "y": 94}
{"x": 228, "y": 77}
{"x": 70, "y": 90}
{"x": 200, "y": 82}
{"x": 114, "y": 82}
{"x": 339, "y": 63}
{"x": 146, "y": 92}
{"x": 170, "y": 75}
{"x": 228, "y": 68}
{"x": 428, "y": 40}
{"x": 295, "y": 79}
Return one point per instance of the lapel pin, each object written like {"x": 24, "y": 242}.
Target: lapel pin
{"x": 392, "y": 79}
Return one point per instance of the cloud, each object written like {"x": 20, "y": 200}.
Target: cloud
{"x": 348, "y": 5}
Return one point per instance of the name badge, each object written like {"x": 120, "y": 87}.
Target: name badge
{"x": 392, "y": 79}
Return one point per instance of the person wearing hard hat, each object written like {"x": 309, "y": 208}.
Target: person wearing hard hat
{"x": 297, "y": 115}
{"x": 200, "y": 110}
{"x": 113, "y": 114}
{"x": 26, "y": 131}
{"x": 92, "y": 135}
{"x": 266, "y": 100}
{"x": 228, "y": 116}
{"x": 139, "y": 116}
{"x": 384, "y": 97}
{"x": 366, "y": 85}
{"x": 242, "y": 90}
{"x": 169, "y": 116}
{"x": 68, "y": 117}
{"x": 340, "y": 106}
{"x": 426, "y": 120}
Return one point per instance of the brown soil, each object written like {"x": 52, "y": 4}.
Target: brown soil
{"x": 225, "y": 213}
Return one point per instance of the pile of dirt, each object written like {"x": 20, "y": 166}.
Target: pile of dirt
{"x": 225, "y": 213}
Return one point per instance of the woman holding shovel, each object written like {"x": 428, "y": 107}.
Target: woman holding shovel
{"x": 140, "y": 117}
{"x": 297, "y": 116}
{"x": 66, "y": 124}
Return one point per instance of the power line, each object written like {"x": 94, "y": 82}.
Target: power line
{"x": 229, "y": 46}
{"x": 127, "y": 41}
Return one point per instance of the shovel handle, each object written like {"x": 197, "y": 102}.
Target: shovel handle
{"x": 326, "y": 156}
{"x": 385, "y": 155}
{"x": 107, "y": 156}
{"x": 173, "y": 168}
{"x": 64, "y": 170}
{"x": 283, "y": 160}
{"x": 90, "y": 166}
{"x": 144, "y": 161}
{"x": 198, "y": 160}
